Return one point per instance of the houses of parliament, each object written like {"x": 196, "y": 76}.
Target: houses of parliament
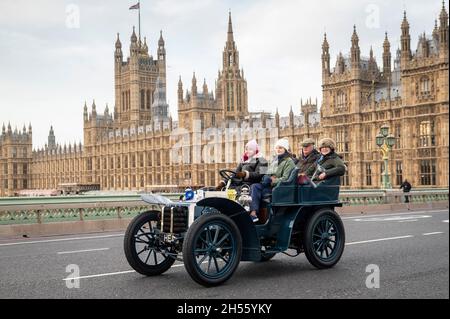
{"x": 137, "y": 144}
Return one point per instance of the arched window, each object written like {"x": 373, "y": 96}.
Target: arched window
{"x": 426, "y": 134}
{"x": 230, "y": 59}
{"x": 425, "y": 85}
{"x": 142, "y": 99}
{"x": 341, "y": 100}
{"x": 148, "y": 100}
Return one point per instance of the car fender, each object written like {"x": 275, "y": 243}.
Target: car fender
{"x": 251, "y": 248}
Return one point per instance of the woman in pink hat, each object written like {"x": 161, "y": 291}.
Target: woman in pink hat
{"x": 252, "y": 167}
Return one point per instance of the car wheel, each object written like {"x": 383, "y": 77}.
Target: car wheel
{"x": 212, "y": 249}
{"x": 143, "y": 249}
{"x": 324, "y": 239}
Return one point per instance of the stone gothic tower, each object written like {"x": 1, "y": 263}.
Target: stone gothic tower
{"x": 231, "y": 89}
{"x": 135, "y": 81}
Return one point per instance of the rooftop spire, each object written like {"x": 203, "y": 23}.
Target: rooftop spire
{"x": 118, "y": 43}
{"x": 133, "y": 36}
{"x": 325, "y": 45}
{"x": 386, "y": 43}
{"x": 161, "y": 39}
{"x": 405, "y": 24}
{"x": 230, "y": 28}
{"x": 443, "y": 11}
{"x": 355, "y": 38}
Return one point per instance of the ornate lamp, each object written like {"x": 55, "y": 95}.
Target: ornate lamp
{"x": 379, "y": 140}
{"x": 384, "y": 130}
{"x": 390, "y": 140}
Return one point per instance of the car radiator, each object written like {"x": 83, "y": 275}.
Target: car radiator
{"x": 174, "y": 220}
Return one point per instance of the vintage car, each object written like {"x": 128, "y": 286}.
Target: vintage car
{"x": 212, "y": 231}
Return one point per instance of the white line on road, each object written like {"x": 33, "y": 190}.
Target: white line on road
{"x": 81, "y": 251}
{"x": 180, "y": 265}
{"x": 61, "y": 239}
{"x": 407, "y": 221}
{"x": 445, "y": 221}
{"x": 435, "y": 233}
{"x": 380, "y": 239}
{"x": 110, "y": 274}
{"x": 393, "y": 214}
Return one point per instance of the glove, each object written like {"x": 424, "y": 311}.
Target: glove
{"x": 240, "y": 174}
{"x": 220, "y": 186}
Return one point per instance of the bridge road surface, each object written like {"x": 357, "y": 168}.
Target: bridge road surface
{"x": 411, "y": 250}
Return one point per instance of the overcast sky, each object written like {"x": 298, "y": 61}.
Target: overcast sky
{"x": 52, "y": 59}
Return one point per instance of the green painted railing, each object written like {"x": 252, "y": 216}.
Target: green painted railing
{"x": 28, "y": 210}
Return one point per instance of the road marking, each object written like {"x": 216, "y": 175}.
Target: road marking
{"x": 407, "y": 221}
{"x": 392, "y": 218}
{"x": 377, "y": 240}
{"x": 393, "y": 214}
{"x": 100, "y": 275}
{"x": 61, "y": 239}
{"x": 110, "y": 274}
{"x": 435, "y": 233}
{"x": 445, "y": 221}
{"x": 81, "y": 251}
{"x": 180, "y": 265}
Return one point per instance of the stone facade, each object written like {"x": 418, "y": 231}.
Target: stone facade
{"x": 138, "y": 144}
{"x": 15, "y": 159}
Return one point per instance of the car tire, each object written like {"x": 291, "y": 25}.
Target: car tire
{"x": 213, "y": 240}
{"x": 133, "y": 240}
{"x": 324, "y": 238}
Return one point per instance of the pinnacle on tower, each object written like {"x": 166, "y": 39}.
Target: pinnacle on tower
{"x": 230, "y": 28}
{"x": 161, "y": 39}
{"x": 118, "y": 43}
{"x": 325, "y": 45}
{"x": 355, "y": 38}
{"x": 194, "y": 85}
{"x": 145, "y": 46}
{"x": 205, "y": 87}
{"x": 386, "y": 40}
{"x": 133, "y": 36}
{"x": 443, "y": 15}
{"x": 405, "y": 23}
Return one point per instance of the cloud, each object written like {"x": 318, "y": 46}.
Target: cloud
{"x": 48, "y": 70}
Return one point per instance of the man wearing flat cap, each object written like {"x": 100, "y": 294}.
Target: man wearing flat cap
{"x": 308, "y": 157}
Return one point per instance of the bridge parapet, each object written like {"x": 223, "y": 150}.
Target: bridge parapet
{"x": 39, "y": 210}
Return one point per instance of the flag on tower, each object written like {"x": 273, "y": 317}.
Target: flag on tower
{"x": 136, "y": 6}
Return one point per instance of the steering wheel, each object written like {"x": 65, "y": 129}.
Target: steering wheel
{"x": 229, "y": 174}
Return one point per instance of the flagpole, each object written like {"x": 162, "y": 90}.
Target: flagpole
{"x": 139, "y": 21}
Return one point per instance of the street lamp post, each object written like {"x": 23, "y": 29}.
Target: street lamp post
{"x": 385, "y": 142}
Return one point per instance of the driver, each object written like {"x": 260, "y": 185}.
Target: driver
{"x": 252, "y": 167}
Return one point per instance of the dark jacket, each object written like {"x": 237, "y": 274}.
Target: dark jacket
{"x": 307, "y": 165}
{"x": 256, "y": 169}
{"x": 406, "y": 187}
{"x": 333, "y": 165}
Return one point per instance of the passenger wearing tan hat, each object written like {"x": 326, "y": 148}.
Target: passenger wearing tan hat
{"x": 329, "y": 160}
{"x": 308, "y": 158}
